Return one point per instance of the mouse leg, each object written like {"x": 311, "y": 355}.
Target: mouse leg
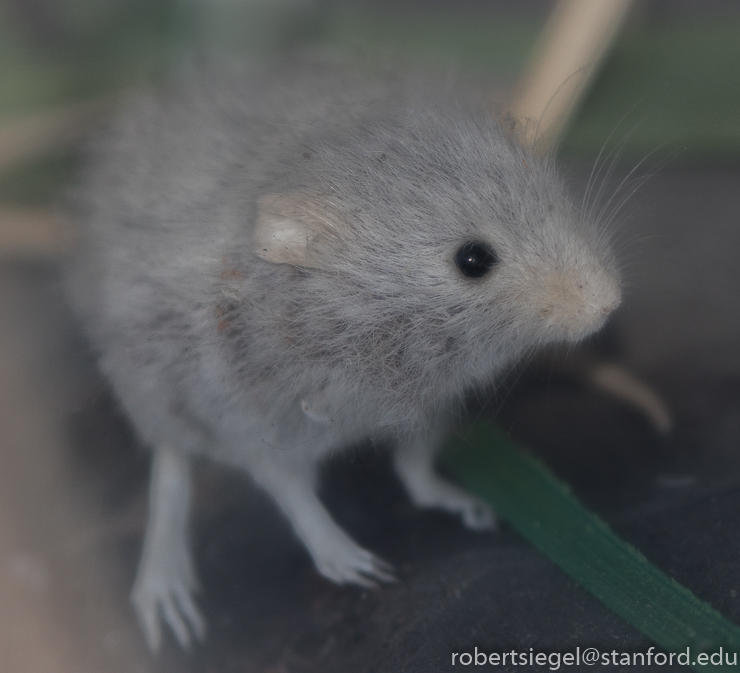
{"x": 336, "y": 555}
{"x": 414, "y": 465}
{"x": 166, "y": 580}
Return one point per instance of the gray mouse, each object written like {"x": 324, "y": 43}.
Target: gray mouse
{"x": 279, "y": 261}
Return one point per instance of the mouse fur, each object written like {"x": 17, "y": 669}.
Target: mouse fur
{"x": 267, "y": 272}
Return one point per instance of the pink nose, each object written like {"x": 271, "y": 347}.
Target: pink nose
{"x": 573, "y": 306}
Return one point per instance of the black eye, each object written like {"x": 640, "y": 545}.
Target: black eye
{"x": 475, "y": 259}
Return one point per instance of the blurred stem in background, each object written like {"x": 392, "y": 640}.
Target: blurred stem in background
{"x": 669, "y": 83}
{"x": 55, "y": 54}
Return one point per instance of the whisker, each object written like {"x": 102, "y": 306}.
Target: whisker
{"x": 614, "y": 154}
{"x": 626, "y": 179}
{"x": 592, "y": 177}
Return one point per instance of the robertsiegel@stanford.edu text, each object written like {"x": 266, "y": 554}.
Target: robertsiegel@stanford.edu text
{"x": 591, "y": 656}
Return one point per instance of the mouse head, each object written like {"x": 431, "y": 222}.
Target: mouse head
{"x": 438, "y": 248}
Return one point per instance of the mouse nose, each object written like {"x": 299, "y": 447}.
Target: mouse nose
{"x": 606, "y": 297}
{"x": 611, "y": 295}
{"x": 572, "y": 305}
{"x": 602, "y": 298}
{"x": 609, "y": 309}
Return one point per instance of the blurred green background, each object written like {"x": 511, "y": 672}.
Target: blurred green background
{"x": 670, "y": 86}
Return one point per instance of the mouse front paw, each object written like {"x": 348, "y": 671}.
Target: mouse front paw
{"x": 345, "y": 562}
{"x": 475, "y": 513}
{"x": 428, "y": 490}
{"x": 157, "y": 595}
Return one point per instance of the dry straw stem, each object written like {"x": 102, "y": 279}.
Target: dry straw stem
{"x": 36, "y": 232}
{"x": 620, "y": 383}
{"x": 32, "y": 233}
{"x": 575, "y": 40}
{"x": 25, "y": 139}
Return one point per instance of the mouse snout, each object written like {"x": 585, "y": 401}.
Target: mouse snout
{"x": 572, "y": 304}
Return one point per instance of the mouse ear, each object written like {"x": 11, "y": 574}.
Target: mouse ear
{"x": 293, "y": 228}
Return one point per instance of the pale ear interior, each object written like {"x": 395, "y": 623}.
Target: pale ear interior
{"x": 291, "y": 226}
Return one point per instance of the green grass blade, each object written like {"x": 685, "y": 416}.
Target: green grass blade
{"x": 542, "y": 509}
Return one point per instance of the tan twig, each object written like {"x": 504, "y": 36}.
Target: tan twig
{"x": 33, "y": 233}
{"x": 575, "y": 40}
{"x": 36, "y": 232}
{"x": 617, "y": 381}
{"x": 25, "y": 139}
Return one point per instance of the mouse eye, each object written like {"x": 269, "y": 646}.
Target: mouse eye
{"x": 475, "y": 259}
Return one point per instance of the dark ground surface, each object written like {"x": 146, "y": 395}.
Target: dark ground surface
{"x": 677, "y": 499}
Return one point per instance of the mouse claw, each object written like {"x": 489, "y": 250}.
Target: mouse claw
{"x": 347, "y": 563}
{"x": 158, "y": 598}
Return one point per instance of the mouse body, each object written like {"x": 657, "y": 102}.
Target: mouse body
{"x": 278, "y": 262}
